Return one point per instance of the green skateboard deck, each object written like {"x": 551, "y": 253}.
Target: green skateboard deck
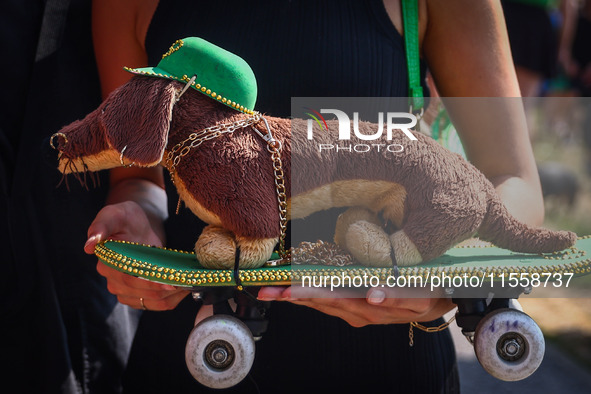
{"x": 491, "y": 264}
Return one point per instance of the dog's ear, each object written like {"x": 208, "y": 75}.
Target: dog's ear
{"x": 136, "y": 119}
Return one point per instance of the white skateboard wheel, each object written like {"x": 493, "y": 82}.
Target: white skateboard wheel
{"x": 220, "y": 351}
{"x": 509, "y": 344}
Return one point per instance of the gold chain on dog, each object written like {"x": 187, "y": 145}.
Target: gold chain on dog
{"x": 274, "y": 147}
{"x": 281, "y": 197}
{"x": 174, "y": 156}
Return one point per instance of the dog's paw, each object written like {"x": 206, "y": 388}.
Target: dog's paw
{"x": 369, "y": 244}
{"x": 216, "y": 248}
{"x": 349, "y": 217}
{"x": 255, "y": 252}
{"x": 405, "y": 250}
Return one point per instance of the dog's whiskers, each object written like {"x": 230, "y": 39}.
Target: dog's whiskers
{"x": 64, "y": 180}
{"x": 87, "y": 173}
{"x": 71, "y": 168}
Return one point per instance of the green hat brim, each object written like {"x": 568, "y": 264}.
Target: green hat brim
{"x": 160, "y": 73}
{"x": 220, "y": 75}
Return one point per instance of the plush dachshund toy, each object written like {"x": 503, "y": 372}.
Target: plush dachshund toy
{"x": 193, "y": 114}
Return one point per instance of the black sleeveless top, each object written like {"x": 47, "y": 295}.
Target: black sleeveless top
{"x": 303, "y": 48}
{"x": 299, "y": 48}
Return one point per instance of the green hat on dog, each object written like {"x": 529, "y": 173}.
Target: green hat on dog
{"x": 220, "y": 74}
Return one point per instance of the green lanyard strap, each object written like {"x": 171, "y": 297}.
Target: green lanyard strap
{"x": 410, "y": 18}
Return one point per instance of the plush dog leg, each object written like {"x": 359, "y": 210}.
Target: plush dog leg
{"x": 372, "y": 247}
{"x": 255, "y": 252}
{"x": 358, "y": 231}
{"x": 216, "y": 248}
{"x": 405, "y": 250}
{"x": 369, "y": 244}
{"x": 347, "y": 218}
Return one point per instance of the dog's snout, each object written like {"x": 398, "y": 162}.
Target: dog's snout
{"x": 62, "y": 140}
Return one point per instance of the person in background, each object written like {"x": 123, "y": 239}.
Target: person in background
{"x": 575, "y": 60}
{"x": 62, "y": 331}
{"x": 575, "y": 55}
{"x": 324, "y": 48}
{"x": 534, "y": 42}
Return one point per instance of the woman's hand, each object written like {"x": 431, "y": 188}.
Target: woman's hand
{"x": 125, "y": 221}
{"x": 379, "y": 306}
{"x": 129, "y": 221}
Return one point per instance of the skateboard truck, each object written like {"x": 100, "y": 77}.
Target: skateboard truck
{"x": 472, "y": 310}
{"x": 220, "y": 349}
{"x": 250, "y": 311}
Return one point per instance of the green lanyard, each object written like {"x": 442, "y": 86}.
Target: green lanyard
{"x": 410, "y": 20}
{"x": 442, "y": 129}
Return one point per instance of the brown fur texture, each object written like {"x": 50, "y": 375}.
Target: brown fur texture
{"x": 435, "y": 198}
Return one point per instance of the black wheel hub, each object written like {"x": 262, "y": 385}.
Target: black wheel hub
{"x": 511, "y": 346}
{"x": 219, "y": 354}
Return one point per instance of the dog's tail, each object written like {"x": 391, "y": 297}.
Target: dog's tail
{"x": 503, "y": 230}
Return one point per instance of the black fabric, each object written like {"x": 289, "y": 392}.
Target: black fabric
{"x": 62, "y": 331}
{"x": 533, "y": 39}
{"x": 580, "y": 50}
{"x": 19, "y": 31}
{"x": 582, "y": 54}
{"x": 296, "y": 48}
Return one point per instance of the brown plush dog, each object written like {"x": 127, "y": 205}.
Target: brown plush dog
{"x": 434, "y": 198}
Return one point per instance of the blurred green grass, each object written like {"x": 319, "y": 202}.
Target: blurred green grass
{"x": 556, "y": 126}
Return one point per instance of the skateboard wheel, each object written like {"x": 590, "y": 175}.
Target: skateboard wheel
{"x": 509, "y": 344}
{"x": 220, "y": 351}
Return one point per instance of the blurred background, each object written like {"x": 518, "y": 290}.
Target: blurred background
{"x": 551, "y": 47}
{"x": 560, "y": 124}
